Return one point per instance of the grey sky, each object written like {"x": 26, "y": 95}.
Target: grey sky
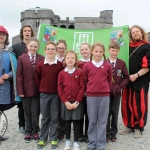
{"x": 125, "y": 12}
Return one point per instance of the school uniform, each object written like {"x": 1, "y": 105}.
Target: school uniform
{"x": 98, "y": 78}
{"x": 26, "y": 86}
{"x": 71, "y": 88}
{"x": 119, "y": 81}
{"x": 46, "y": 79}
{"x": 82, "y": 138}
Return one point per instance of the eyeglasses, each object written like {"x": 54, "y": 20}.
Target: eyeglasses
{"x": 50, "y": 49}
{"x": 63, "y": 48}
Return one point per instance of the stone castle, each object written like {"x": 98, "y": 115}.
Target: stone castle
{"x": 36, "y": 16}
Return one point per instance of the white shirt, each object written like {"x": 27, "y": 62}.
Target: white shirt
{"x": 113, "y": 61}
{"x": 59, "y": 59}
{"x": 46, "y": 62}
{"x": 70, "y": 71}
{"x": 97, "y": 64}
{"x": 85, "y": 60}
{"x": 30, "y": 55}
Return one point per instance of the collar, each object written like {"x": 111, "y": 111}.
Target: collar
{"x": 46, "y": 62}
{"x": 136, "y": 44}
{"x": 99, "y": 63}
{"x": 112, "y": 61}
{"x": 59, "y": 59}
{"x": 85, "y": 60}
{"x": 70, "y": 71}
{"x": 31, "y": 55}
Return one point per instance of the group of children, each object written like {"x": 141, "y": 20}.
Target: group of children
{"x": 59, "y": 81}
{"x": 64, "y": 90}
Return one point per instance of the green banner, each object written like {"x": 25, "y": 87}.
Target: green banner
{"x": 74, "y": 38}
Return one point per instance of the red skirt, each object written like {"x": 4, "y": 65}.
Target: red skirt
{"x": 134, "y": 108}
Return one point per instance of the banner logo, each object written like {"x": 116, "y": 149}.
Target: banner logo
{"x": 117, "y": 36}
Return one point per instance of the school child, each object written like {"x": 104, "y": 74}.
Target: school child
{"x": 46, "y": 75}
{"x": 62, "y": 47}
{"x": 71, "y": 91}
{"x": 98, "y": 78}
{"x": 85, "y": 52}
{"x": 28, "y": 90}
{"x": 8, "y": 66}
{"x": 119, "y": 81}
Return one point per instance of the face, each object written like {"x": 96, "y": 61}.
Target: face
{"x": 85, "y": 50}
{"x": 32, "y": 47}
{"x": 113, "y": 53}
{"x": 98, "y": 53}
{"x": 3, "y": 37}
{"x": 61, "y": 49}
{"x": 50, "y": 51}
{"x": 26, "y": 33}
{"x": 136, "y": 34}
{"x": 70, "y": 59}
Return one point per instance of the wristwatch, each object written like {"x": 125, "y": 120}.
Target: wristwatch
{"x": 77, "y": 103}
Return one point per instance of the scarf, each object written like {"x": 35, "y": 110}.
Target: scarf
{"x": 136, "y": 44}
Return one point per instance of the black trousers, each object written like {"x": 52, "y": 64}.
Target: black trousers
{"x": 21, "y": 115}
{"x": 84, "y": 120}
{"x": 31, "y": 107}
{"x": 113, "y": 115}
{"x": 76, "y": 127}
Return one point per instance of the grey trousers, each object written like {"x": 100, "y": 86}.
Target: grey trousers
{"x": 50, "y": 107}
{"x": 97, "y": 110}
{"x": 31, "y": 106}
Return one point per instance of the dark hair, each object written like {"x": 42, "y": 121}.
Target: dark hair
{"x": 21, "y": 31}
{"x": 144, "y": 34}
{"x": 100, "y": 45}
{"x": 33, "y": 39}
{"x": 49, "y": 42}
{"x": 114, "y": 45}
{"x": 62, "y": 41}
{"x": 72, "y": 52}
{"x": 6, "y": 41}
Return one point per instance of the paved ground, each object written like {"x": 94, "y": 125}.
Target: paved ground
{"x": 126, "y": 142}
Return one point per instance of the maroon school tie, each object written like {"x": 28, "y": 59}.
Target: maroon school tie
{"x": 33, "y": 63}
{"x": 113, "y": 68}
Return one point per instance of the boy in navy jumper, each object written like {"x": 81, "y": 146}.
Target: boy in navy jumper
{"x": 46, "y": 78}
{"x": 120, "y": 79}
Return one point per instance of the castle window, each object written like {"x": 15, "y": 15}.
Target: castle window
{"x": 37, "y": 24}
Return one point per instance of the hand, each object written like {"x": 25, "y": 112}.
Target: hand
{"x": 74, "y": 105}
{"x": 5, "y": 76}
{"x": 133, "y": 77}
{"x": 1, "y": 81}
{"x": 21, "y": 95}
{"x": 68, "y": 105}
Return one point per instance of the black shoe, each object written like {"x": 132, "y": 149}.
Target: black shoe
{"x": 108, "y": 138}
{"x": 81, "y": 138}
{"x": 86, "y": 139}
{"x": 113, "y": 138}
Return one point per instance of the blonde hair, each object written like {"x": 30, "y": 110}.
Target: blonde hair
{"x": 100, "y": 45}
{"x": 86, "y": 44}
{"x": 51, "y": 43}
{"x": 71, "y": 52}
{"x": 144, "y": 34}
{"x": 62, "y": 41}
{"x": 33, "y": 39}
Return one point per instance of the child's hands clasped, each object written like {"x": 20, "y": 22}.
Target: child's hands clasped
{"x": 5, "y": 76}
{"x": 68, "y": 105}
{"x": 74, "y": 105}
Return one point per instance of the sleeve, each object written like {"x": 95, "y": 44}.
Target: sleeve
{"x": 125, "y": 78}
{"x": 38, "y": 75}
{"x": 146, "y": 58}
{"x": 10, "y": 74}
{"x": 61, "y": 88}
{"x": 82, "y": 88}
{"x": 85, "y": 76}
{"x": 19, "y": 77}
